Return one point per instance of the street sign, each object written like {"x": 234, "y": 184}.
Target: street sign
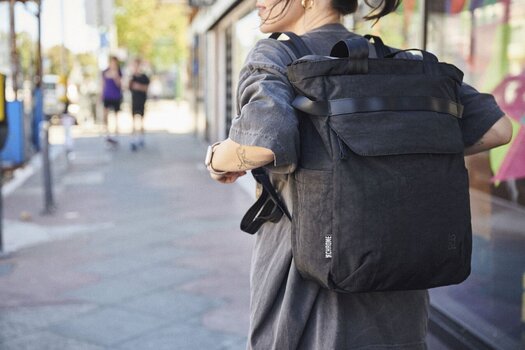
{"x": 99, "y": 13}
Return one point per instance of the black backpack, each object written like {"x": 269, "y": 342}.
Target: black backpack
{"x": 381, "y": 198}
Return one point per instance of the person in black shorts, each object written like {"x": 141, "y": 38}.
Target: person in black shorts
{"x": 113, "y": 105}
{"x": 138, "y": 85}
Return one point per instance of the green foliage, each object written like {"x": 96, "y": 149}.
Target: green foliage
{"x": 88, "y": 63}
{"x": 26, "y": 48}
{"x": 153, "y": 30}
{"x": 54, "y": 57}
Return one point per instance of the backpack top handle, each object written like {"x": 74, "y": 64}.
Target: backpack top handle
{"x": 356, "y": 49}
{"x": 381, "y": 49}
{"x": 427, "y": 56}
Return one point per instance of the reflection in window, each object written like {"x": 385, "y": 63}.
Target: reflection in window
{"x": 484, "y": 38}
{"x": 490, "y": 302}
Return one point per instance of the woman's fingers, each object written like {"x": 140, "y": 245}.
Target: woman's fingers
{"x": 228, "y": 177}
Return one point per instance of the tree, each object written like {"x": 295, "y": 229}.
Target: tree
{"x": 88, "y": 63}
{"x": 54, "y": 57}
{"x": 152, "y": 30}
{"x": 26, "y": 48}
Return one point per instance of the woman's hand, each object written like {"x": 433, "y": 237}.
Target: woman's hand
{"x": 228, "y": 178}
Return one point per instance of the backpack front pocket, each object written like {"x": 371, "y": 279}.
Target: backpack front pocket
{"x": 312, "y": 236}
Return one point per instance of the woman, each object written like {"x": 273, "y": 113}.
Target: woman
{"x": 287, "y": 311}
{"x": 112, "y": 95}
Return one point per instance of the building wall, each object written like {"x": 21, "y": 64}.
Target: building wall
{"x": 484, "y": 38}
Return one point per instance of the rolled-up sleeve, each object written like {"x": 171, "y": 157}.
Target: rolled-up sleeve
{"x": 480, "y": 113}
{"x": 265, "y": 116}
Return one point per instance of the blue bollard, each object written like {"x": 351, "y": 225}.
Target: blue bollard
{"x": 13, "y": 152}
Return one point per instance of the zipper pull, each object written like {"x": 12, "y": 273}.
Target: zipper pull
{"x": 342, "y": 149}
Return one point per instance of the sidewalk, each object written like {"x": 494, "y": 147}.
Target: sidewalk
{"x": 143, "y": 252}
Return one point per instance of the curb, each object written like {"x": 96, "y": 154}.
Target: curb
{"x": 21, "y": 175}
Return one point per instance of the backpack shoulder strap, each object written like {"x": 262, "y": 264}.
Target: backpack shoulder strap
{"x": 268, "y": 207}
{"x": 295, "y": 43}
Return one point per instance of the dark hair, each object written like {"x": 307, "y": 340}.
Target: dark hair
{"x": 114, "y": 58}
{"x": 380, "y": 9}
{"x": 345, "y": 7}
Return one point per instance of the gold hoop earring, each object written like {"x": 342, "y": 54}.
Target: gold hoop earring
{"x": 309, "y": 6}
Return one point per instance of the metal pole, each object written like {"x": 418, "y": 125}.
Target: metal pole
{"x": 425, "y": 24}
{"x": 49, "y": 204}
{"x": 3, "y": 136}
{"x": 63, "y": 39}
{"x": 3, "y": 253}
{"x": 38, "y": 78}
{"x": 1, "y": 207}
{"x": 14, "y": 55}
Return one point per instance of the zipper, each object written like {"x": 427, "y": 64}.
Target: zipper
{"x": 343, "y": 154}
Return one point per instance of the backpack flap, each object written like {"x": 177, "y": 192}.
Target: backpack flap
{"x": 398, "y": 106}
{"x": 395, "y": 133}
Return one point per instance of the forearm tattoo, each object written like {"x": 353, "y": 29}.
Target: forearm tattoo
{"x": 245, "y": 163}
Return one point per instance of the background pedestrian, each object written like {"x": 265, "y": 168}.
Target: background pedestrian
{"x": 138, "y": 86}
{"x": 112, "y": 97}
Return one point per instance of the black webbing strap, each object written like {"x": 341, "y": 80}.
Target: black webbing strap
{"x": 268, "y": 207}
{"x": 381, "y": 49}
{"x": 296, "y": 44}
{"x": 377, "y": 104}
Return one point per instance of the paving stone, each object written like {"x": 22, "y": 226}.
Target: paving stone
{"x": 115, "y": 266}
{"x": 5, "y": 269}
{"x": 156, "y": 265}
{"x": 173, "y": 305}
{"x": 10, "y": 331}
{"x": 48, "y": 341}
{"x": 42, "y": 316}
{"x": 134, "y": 284}
{"x": 110, "y": 291}
{"x": 184, "y": 337}
{"x": 167, "y": 252}
{"x": 108, "y": 326}
{"x": 160, "y": 276}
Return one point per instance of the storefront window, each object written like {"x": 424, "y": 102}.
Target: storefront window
{"x": 485, "y": 40}
{"x": 402, "y": 29}
{"x": 246, "y": 33}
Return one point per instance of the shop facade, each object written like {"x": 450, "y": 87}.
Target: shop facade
{"x": 485, "y": 39}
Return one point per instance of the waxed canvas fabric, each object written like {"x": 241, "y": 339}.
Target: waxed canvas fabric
{"x": 286, "y": 310}
{"x": 382, "y": 200}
